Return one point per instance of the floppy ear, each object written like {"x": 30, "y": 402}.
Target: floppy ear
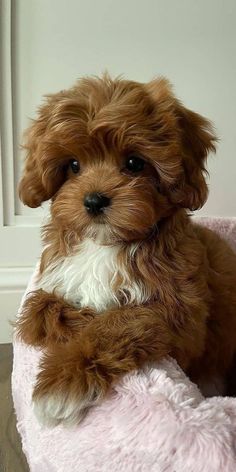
{"x": 197, "y": 140}
{"x": 194, "y": 137}
{"x": 40, "y": 181}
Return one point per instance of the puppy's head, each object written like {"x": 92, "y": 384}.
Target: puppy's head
{"x": 116, "y": 156}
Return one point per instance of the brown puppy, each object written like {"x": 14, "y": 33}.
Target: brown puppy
{"x": 126, "y": 277}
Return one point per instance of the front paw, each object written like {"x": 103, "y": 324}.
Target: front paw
{"x": 66, "y": 389}
{"x": 47, "y": 319}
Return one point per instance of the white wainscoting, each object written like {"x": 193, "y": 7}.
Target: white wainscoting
{"x": 19, "y": 232}
{"x": 12, "y": 286}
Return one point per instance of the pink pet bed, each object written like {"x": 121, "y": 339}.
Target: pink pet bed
{"x": 154, "y": 420}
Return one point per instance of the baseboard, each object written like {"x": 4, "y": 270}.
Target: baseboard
{"x": 13, "y": 282}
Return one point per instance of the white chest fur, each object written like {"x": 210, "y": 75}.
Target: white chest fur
{"x": 86, "y": 278}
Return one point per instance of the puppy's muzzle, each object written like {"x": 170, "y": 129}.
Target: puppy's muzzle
{"x": 95, "y": 203}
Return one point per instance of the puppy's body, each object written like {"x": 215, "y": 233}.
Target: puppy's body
{"x": 122, "y": 163}
{"x": 194, "y": 264}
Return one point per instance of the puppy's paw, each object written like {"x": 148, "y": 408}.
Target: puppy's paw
{"x": 64, "y": 393}
{"x": 59, "y": 407}
{"x": 47, "y": 319}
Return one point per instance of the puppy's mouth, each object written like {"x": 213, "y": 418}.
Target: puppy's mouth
{"x": 100, "y": 231}
{"x": 99, "y": 220}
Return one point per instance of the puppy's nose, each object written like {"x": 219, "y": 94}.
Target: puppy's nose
{"x": 95, "y": 203}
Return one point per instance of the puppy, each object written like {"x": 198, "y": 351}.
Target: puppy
{"x": 126, "y": 276}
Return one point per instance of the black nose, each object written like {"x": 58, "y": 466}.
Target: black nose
{"x": 95, "y": 203}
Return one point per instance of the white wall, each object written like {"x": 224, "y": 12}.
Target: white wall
{"x": 47, "y": 44}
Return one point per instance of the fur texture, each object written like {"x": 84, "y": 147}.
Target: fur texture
{"x": 94, "y": 283}
{"x": 160, "y": 284}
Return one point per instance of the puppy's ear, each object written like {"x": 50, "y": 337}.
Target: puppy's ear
{"x": 40, "y": 179}
{"x": 197, "y": 140}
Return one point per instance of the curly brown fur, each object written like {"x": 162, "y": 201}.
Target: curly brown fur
{"x": 47, "y": 319}
{"x": 183, "y": 276}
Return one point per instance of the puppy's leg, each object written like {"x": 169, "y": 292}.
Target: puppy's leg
{"x": 47, "y": 319}
{"x": 79, "y": 375}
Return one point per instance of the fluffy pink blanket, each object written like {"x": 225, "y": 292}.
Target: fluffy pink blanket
{"x": 155, "y": 420}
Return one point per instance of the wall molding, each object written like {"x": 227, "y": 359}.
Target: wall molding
{"x": 12, "y": 211}
{"x": 7, "y": 115}
{"x": 14, "y": 278}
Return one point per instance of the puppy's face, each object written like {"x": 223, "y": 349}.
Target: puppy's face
{"x": 115, "y": 157}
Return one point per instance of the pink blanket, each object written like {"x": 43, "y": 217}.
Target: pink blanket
{"x": 155, "y": 420}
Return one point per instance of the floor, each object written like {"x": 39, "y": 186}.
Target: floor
{"x": 12, "y": 458}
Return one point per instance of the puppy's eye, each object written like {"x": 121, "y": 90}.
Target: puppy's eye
{"x": 74, "y": 165}
{"x": 134, "y": 163}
